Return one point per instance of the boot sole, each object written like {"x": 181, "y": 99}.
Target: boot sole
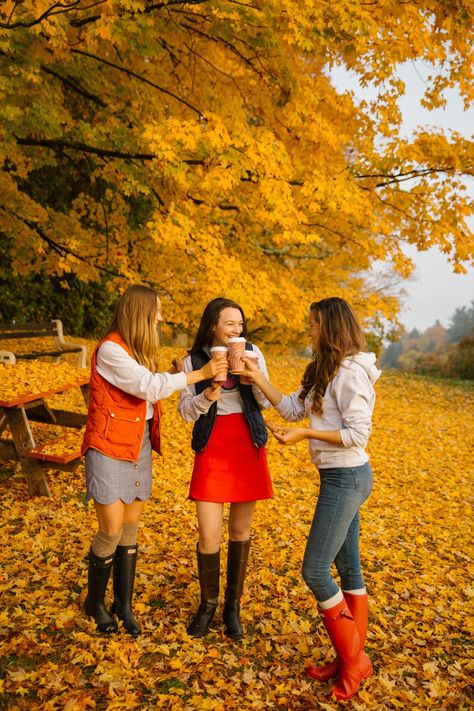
{"x": 340, "y": 697}
{"x": 199, "y": 635}
{"x": 233, "y": 636}
{"x": 103, "y": 627}
{"x": 111, "y": 630}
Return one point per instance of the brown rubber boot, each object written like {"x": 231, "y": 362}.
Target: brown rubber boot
{"x": 208, "y": 571}
{"x": 237, "y": 557}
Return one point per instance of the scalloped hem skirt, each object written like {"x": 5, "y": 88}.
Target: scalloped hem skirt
{"x": 231, "y": 469}
{"x": 108, "y": 479}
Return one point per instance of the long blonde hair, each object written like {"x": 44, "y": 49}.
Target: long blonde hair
{"x": 134, "y": 320}
{"x": 340, "y": 336}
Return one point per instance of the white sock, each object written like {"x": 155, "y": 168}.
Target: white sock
{"x": 334, "y": 600}
{"x": 359, "y": 591}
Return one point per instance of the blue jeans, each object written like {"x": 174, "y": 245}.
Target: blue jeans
{"x": 334, "y": 534}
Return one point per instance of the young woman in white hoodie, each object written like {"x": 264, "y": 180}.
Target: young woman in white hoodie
{"x": 337, "y": 396}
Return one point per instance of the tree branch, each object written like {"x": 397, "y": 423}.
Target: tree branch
{"x": 74, "y": 85}
{"x": 223, "y": 41}
{"x": 60, "y": 249}
{"x": 84, "y": 21}
{"x": 342, "y": 236}
{"x": 403, "y": 176}
{"x": 160, "y": 5}
{"x": 58, "y": 8}
{"x": 221, "y": 206}
{"x": 284, "y": 252}
{"x": 46, "y": 13}
{"x": 220, "y": 71}
{"x": 104, "y": 152}
{"x": 130, "y": 73}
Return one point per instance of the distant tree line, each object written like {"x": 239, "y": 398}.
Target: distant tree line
{"x": 439, "y": 351}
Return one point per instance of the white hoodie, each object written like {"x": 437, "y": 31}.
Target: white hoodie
{"x": 348, "y": 404}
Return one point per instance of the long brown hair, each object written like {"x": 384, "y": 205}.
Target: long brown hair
{"x": 340, "y": 336}
{"x": 134, "y": 320}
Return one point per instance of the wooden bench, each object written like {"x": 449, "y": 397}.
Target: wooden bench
{"x": 63, "y": 454}
{"x": 44, "y": 329}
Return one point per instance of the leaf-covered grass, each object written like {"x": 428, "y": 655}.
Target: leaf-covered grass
{"x": 417, "y": 556}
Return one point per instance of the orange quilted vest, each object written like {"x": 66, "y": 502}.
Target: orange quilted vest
{"x": 116, "y": 420}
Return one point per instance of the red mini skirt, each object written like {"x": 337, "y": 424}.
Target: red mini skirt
{"x": 230, "y": 468}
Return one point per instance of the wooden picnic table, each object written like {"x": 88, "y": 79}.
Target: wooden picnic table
{"x": 23, "y": 390}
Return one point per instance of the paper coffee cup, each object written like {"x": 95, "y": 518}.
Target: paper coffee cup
{"x": 251, "y": 355}
{"x": 218, "y": 352}
{"x": 236, "y": 348}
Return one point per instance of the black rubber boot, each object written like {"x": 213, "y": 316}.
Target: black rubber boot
{"x": 237, "y": 557}
{"x": 125, "y": 563}
{"x": 208, "y": 570}
{"x": 94, "y": 604}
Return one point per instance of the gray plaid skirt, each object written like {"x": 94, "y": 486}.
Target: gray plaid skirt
{"x": 110, "y": 479}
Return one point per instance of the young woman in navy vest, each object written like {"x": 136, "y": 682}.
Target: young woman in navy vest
{"x": 230, "y": 464}
{"x": 121, "y": 431}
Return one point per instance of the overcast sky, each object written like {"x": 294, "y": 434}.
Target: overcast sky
{"x": 434, "y": 292}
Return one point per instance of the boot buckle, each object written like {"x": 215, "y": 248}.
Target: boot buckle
{"x": 346, "y": 613}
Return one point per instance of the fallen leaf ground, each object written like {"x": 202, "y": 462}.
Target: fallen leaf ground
{"x": 417, "y": 556}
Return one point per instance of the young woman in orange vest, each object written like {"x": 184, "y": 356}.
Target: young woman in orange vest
{"x": 123, "y": 427}
{"x": 230, "y": 464}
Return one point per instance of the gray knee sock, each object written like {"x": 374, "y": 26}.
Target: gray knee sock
{"x": 104, "y": 544}
{"x": 129, "y": 534}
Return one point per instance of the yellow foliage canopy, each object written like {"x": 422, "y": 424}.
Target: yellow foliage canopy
{"x": 201, "y": 147}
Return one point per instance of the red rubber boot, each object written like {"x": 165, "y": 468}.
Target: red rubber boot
{"x": 325, "y": 672}
{"x": 354, "y": 665}
{"x": 359, "y": 608}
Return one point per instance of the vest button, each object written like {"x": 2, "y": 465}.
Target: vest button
{"x": 135, "y": 466}
{"x": 112, "y": 414}
{"x": 137, "y": 483}
{"x": 137, "y": 419}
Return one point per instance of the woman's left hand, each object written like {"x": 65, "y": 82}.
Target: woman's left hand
{"x": 176, "y": 366}
{"x": 272, "y": 426}
{"x": 289, "y": 435}
{"x": 250, "y": 369}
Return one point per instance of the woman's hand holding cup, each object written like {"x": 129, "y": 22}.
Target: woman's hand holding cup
{"x": 176, "y": 366}
{"x": 250, "y": 368}
{"x": 216, "y": 368}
